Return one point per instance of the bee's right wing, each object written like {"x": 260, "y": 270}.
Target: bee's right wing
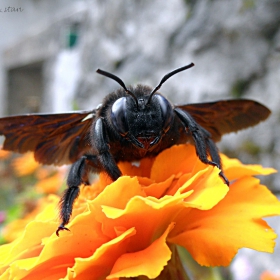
{"x": 225, "y": 116}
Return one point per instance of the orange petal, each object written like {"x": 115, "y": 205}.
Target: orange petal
{"x": 158, "y": 189}
{"x": 177, "y": 159}
{"x": 214, "y": 236}
{"x": 208, "y": 188}
{"x": 50, "y": 184}
{"x": 98, "y": 265}
{"x": 124, "y": 189}
{"x": 59, "y": 253}
{"x": 46, "y": 210}
{"x": 269, "y": 276}
{"x": 25, "y": 164}
{"x": 23, "y": 269}
{"x": 4, "y": 154}
{"x": 23, "y": 247}
{"x": 234, "y": 169}
{"x": 148, "y": 262}
{"x": 150, "y": 217}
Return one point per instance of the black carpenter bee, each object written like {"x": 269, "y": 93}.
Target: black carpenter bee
{"x": 132, "y": 123}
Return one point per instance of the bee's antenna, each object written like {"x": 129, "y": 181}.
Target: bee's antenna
{"x": 166, "y": 77}
{"x": 119, "y": 81}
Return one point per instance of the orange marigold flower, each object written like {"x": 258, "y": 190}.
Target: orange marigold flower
{"x": 270, "y": 276}
{"x": 125, "y": 228}
{"x": 50, "y": 184}
{"x": 4, "y": 154}
{"x": 15, "y": 229}
{"x": 25, "y": 164}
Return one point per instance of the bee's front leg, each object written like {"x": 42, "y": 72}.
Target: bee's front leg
{"x": 77, "y": 176}
{"x": 202, "y": 140}
{"x": 100, "y": 143}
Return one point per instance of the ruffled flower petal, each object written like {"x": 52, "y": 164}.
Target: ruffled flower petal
{"x": 135, "y": 264}
{"x": 213, "y": 237}
{"x": 234, "y": 169}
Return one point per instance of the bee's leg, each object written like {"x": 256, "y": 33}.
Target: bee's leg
{"x": 203, "y": 143}
{"x": 77, "y": 175}
{"x": 100, "y": 143}
{"x": 213, "y": 151}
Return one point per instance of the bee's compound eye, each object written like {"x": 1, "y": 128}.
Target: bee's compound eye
{"x": 118, "y": 115}
{"x": 166, "y": 110}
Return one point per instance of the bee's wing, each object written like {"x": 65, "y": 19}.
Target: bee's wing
{"x": 54, "y": 138}
{"x": 227, "y": 116}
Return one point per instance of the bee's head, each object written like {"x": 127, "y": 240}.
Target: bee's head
{"x": 141, "y": 122}
{"x": 143, "y": 116}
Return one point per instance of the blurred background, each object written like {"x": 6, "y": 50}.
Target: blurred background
{"x": 50, "y": 50}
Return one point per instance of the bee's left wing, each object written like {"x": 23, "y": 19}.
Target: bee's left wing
{"x": 54, "y": 138}
{"x": 225, "y": 116}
